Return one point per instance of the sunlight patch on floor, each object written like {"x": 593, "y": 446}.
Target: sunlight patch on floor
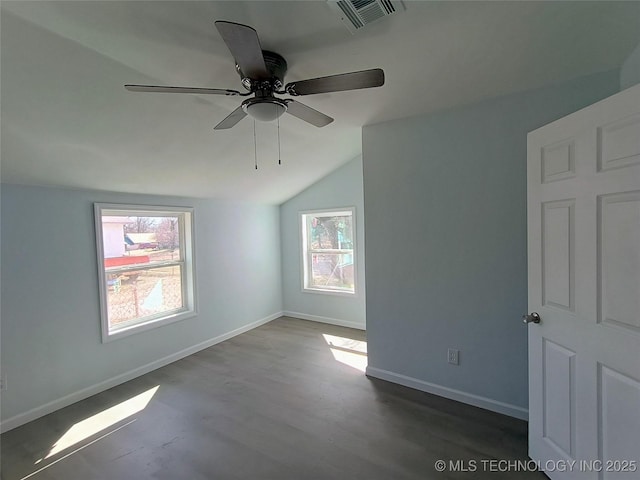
{"x": 101, "y": 421}
{"x": 33, "y": 474}
{"x": 348, "y": 351}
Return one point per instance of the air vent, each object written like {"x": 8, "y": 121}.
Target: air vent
{"x": 355, "y": 14}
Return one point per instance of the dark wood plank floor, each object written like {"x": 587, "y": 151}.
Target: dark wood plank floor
{"x": 272, "y": 403}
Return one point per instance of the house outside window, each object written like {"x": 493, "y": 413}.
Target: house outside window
{"x": 145, "y": 264}
{"x": 328, "y": 251}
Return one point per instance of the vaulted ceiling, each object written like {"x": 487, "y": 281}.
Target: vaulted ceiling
{"x": 68, "y": 121}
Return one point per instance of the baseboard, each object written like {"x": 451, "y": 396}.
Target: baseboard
{"x": 458, "y": 395}
{"x": 74, "y": 397}
{"x": 329, "y": 320}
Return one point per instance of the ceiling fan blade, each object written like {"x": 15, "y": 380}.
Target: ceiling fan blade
{"x": 163, "y": 89}
{"x": 231, "y": 119}
{"x": 244, "y": 44}
{"x": 308, "y": 114}
{"x": 337, "y": 83}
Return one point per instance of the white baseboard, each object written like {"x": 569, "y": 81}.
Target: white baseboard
{"x": 74, "y": 397}
{"x": 458, "y": 395}
{"x": 329, "y": 320}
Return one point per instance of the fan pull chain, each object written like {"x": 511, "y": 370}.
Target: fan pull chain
{"x": 279, "y": 157}
{"x": 255, "y": 145}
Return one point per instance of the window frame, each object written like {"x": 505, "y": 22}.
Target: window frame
{"x": 186, "y": 262}
{"x": 306, "y": 253}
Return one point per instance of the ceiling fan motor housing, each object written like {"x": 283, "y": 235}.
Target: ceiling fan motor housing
{"x": 276, "y": 66}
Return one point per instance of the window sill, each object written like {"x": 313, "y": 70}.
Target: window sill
{"x": 148, "y": 325}
{"x": 339, "y": 293}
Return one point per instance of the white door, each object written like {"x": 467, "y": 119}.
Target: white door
{"x": 584, "y": 281}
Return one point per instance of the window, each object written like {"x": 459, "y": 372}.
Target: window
{"x": 328, "y": 255}
{"x": 145, "y": 262}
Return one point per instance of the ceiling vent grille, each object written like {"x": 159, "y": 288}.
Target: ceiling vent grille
{"x": 355, "y": 14}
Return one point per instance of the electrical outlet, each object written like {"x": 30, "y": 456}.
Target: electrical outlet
{"x": 3, "y": 382}
{"x": 453, "y": 356}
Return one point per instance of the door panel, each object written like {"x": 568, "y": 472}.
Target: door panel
{"x": 583, "y": 212}
{"x": 618, "y": 144}
{"x": 558, "y": 251}
{"x": 559, "y": 397}
{"x": 619, "y": 268}
{"x": 558, "y": 161}
{"x": 619, "y": 418}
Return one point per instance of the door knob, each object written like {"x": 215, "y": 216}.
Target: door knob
{"x": 531, "y": 318}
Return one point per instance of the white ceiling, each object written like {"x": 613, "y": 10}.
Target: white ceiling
{"x": 68, "y": 121}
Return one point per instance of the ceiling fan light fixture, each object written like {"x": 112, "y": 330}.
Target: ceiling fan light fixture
{"x": 264, "y": 109}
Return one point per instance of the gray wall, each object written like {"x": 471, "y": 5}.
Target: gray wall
{"x": 342, "y": 188}
{"x": 445, "y": 204}
{"x": 51, "y": 344}
{"x": 630, "y": 71}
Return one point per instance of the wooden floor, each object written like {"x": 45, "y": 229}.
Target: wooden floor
{"x": 272, "y": 403}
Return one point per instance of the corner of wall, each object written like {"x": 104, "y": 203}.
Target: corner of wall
{"x": 341, "y": 188}
{"x": 630, "y": 70}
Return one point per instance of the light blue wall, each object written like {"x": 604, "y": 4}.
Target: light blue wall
{"x": 342, "y": 188}
{"x": 630, "y": 71}
{"x": 445, "y": 223}
{"x": 51, "y": 344}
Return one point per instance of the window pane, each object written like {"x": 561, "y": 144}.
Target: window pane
{"x": 330, "y": 232}
{"x": 140, "y": 240}
{"x": 142, "y": 293}
{"x": 332, "y": 271}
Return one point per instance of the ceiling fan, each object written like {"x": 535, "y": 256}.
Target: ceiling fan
{"x": 262, "y": 74}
